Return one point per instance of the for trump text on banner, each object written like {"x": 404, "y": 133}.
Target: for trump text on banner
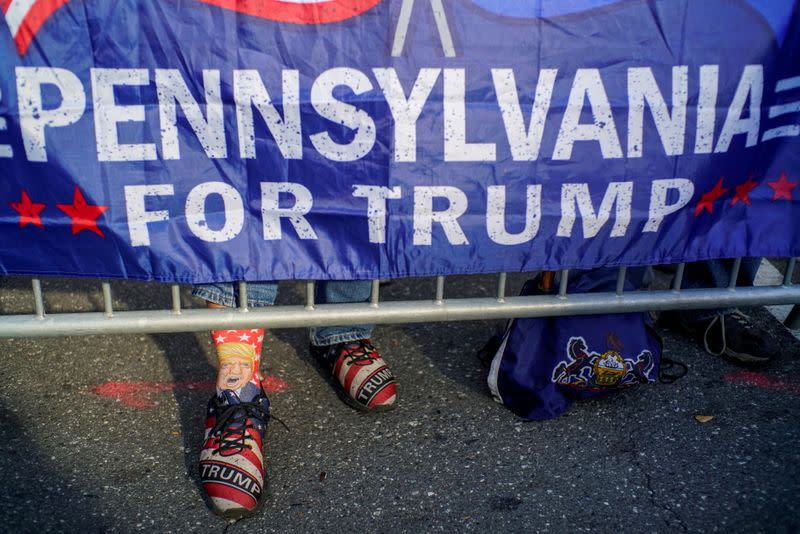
{"x": 202, "y": 140}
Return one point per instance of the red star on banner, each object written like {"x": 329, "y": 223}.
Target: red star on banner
{"x": 782, "y": 187}
{"x": 83, "y": 215}
{"x": 28, "y": 211}
{"x": 743, "y": 191}
{"x": 708, "y": 199}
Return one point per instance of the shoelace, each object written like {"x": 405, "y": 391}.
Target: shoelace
{"x": 232, "y": 426}
{"x": 737, "y": 316}
{"x": 359, "y": 353}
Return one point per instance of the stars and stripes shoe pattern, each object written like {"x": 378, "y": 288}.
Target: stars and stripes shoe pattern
{"x": 366, "y": 382}
{"x": 232, "y": 459}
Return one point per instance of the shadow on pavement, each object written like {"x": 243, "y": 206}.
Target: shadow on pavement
{"x": 32, "y": 483}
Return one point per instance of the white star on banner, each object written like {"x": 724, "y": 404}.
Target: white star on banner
{"x": 220, "y": 339}
{"x": 255, "y": 330}
{"x": 260, "y": 339}
{"x": 244, "y": 337}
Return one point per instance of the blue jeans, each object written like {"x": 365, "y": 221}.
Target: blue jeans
{"x": 260, "y": 294}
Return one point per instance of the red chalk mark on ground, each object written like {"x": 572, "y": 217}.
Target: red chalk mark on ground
{"x": 138, "y": 394}
{"x": 763, "y": 381}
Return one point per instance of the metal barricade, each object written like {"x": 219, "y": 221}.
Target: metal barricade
{"x": 439, "y": 308}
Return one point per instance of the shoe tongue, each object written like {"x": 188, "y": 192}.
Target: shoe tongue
{"x": 249, "y": 392}
{"x": 229, "y": 397}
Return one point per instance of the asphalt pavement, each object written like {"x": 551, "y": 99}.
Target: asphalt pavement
{"x": 103, "y": 433}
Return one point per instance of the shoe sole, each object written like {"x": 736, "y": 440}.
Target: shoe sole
{"x": 744, "y": 359}
{"x": 237, "y": 514}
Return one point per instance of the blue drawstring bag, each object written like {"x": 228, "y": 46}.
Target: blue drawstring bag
{"x": 543, "y": 365}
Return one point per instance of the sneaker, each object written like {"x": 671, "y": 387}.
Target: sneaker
{"x": 366, "y": 382}
{"x": 232, "y": 459}
{"x": 735, "y": 337}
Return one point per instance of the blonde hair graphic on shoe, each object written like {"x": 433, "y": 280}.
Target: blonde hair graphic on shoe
{"x": 236, "y": 365}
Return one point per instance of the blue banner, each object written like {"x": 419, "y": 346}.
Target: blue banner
{"x": 213, "y": 140}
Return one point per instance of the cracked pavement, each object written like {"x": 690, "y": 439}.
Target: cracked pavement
{"x": 103, "y": 433}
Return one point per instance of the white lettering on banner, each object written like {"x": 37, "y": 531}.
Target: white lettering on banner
{"x": 376, "y": 208}
{"x": 210, "y": 130}
{"x": 5, "y": 150}
{"x": 248, "y": 93}
{"x": 196, "y": 212}
{"x": 406, "y": 111}
{"x": 331, "y": 94}
{"x": 107, "y": 114}
{"x": 425, "y": 216}
{"x": 456, "y": 147}
{"x": 496, "y": 225}
{"x": 342, "y": 113}
{"x": 659, "y": 208}
{"x": 706, "y": 109}
{"x": 524, "y": 144}
{"x": 272, "y": 213}
{"x": 588, "y": 86}
{"x": 576, "y": 203}
{"x": 138, "y": 216}
{"x": 617, "y": 193}
{"x": 751, "y": 88}
{"x": 642, "y": 88}
{"x": 33, "y": 118}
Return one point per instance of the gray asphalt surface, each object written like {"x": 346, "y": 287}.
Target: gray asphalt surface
{"x": 448, "y": 459}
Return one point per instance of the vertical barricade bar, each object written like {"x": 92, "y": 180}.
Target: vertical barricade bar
{"x": 310, "y": 295}
{"x": 562, "y": 284}
{"x": 243, "y": 304}
{"x": 38, "y": 299}
{"x": 787, "y": 276}
{"x": 107, "y": 303}
{"x": 735, "y": 273}
{"x": 621, "y": 280}
{"x": 793, "y": 319}
{"x": 375, "y": 294}
{"x": 677, "y": 282}
{"x": 176, "y": 299}
{"x": 501, "y": 287}
{"x": 439, "y": 290}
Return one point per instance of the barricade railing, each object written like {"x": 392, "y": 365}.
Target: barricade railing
{"x": 378, "y": 311}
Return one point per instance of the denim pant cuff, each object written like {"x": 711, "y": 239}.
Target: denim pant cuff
{"x": 321, "y": 337}
{"x": 225, "y": 294}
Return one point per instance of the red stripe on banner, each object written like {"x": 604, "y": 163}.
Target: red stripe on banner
{"x": 333, "y": 11}
{"x": 383, "y": 395}
{"x": 214, "y": 489}
{"x": 34, "y": 20}
{"x": 4, "y": 5}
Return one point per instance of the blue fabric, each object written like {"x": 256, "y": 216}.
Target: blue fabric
{"x": 261, "y": 294}
{"x": 544, "y": 365}
{"x": 126, "y": 150}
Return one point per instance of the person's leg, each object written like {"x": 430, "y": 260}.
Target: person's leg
{"x": 365, "y": 380}
{"x": 725, "y": 331}
{"x": 232, "y": 461}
